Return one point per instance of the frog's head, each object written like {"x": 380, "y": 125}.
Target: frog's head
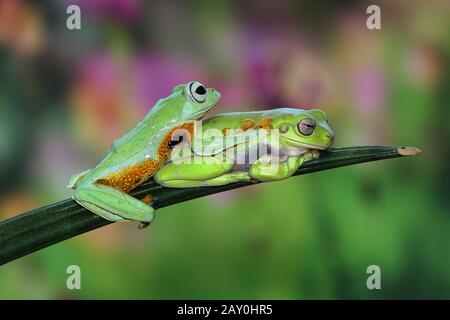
{"x": 305, "y": 129}
{"x": 187, "y": 102}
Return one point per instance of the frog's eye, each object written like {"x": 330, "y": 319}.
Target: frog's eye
{"x": 173, "y": 142}
{"x": 177, "y": 137}
{"x": 197, "y": 92}
{"x": 306, "y": 126}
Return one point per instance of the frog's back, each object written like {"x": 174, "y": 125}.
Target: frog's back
{"x": 234, "y": 120}
{"x": 140, "y": 145}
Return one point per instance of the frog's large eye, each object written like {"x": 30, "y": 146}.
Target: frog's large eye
{"x": 177, "y": 137}
{"x": 197, "y": 91}
{"x": 306, "y": 126}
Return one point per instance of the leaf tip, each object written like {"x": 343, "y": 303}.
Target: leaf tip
{"x": 408, "y": 151}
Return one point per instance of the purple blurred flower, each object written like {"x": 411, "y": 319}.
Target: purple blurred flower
{"x": 369, "y": 88}
{"x": 124, "y": 10}
{"x": 101, "y": 71}
{"x": 154, "y": 77}
{"x": 259, "y": 63}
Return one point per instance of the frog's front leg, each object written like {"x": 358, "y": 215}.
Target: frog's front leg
{"x": 113, "y": 204}
{"x": 198, "y": 172}
{"x": 264, "y": 170}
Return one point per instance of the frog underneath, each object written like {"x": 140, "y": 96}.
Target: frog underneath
{"x": 301, "y": 134}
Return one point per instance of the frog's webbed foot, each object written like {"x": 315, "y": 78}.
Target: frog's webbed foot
{"x": 264, "y": 170}
{"x": 311, "y": 155}
{"x": 143, "y": 225}
{"x": 148, "y": 199}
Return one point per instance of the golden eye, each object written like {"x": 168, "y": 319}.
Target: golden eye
{"x": 306, "y": 126}
{"x": 197, "y": 91}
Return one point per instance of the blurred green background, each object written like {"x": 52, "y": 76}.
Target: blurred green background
{"x": 66, "y": 95}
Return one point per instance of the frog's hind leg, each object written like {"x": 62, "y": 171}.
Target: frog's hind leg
{"x": 113, "y": 204}
{"x": 199, "y": 172}
{"x": 218, "y": 181}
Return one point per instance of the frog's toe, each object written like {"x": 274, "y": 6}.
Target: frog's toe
{"x": 315, "y": 154}
{"x": 143, "y": 225}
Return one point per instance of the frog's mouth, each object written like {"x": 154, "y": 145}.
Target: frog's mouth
{"x": 305, "y": 145}
{"x": 200, "y": 114}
